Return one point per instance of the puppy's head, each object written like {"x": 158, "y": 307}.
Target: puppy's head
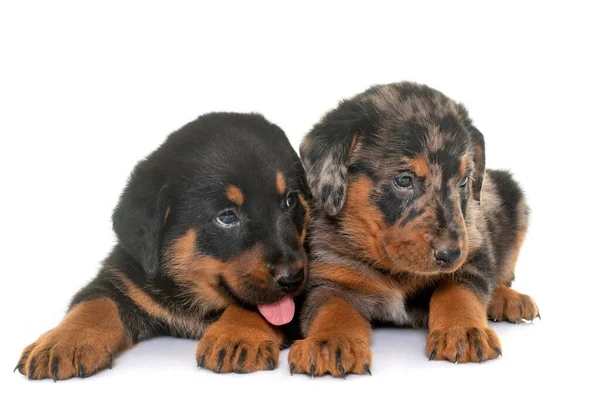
{"x": 396, "y": 167}
{"x": 221, "y": 207}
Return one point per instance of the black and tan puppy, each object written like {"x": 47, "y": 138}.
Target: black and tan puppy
{"x": 407, "y": 228}
{"x": 211, "y": 230}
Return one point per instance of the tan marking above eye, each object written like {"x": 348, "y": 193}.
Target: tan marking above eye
{"x": 463, "y": 167}
{"x": 420, "y": 166}
{"x": 235, "y": 195}
{"x": 280, "y": 183}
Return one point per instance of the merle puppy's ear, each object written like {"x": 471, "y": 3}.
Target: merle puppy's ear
{"x": 139, "y": 217}
{"x": 326, "y": 151}
{"x": 478, "y": 150}
{"x": 478, "y": 144}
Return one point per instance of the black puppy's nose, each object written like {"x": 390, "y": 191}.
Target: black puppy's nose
{"x": 447, "y": 256}
{"x": 288, "y": 277}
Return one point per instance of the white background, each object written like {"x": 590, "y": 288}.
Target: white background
{"x": 86, "y": 91}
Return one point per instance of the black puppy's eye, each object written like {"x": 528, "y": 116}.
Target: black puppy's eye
{"x": 227, "y": 219}
{"x": 290, "y": 199}
{"x": 403, "y": 182}
{"x": 463, "y": 181}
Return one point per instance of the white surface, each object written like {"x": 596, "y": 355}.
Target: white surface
{"x": 87, "y": 91}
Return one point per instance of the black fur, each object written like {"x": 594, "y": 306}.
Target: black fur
{"x": 176, "y": 269}
{"x": 188, "y": 174}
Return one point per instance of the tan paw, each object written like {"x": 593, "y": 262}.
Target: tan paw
{"x": 61, "y": 354}
{"x": 463, "y": 345}
{"x": 334, "y": 355}
{"x": 227, "y": 348}
{"x": 512, "y": 306}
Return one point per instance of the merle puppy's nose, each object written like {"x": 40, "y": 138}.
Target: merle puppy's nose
{"x": 288, "y": 276}
{"x": 447, "y": 256}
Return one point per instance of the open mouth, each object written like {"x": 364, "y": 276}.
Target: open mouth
{"x": 280, "y": 312}
{"x": 277, "y": 313}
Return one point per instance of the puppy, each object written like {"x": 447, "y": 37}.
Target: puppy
{"x": 407, "y": 228}
{"x": 211, "y": 230}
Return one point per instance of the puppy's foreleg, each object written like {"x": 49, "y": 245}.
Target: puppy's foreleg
{"x": 86, "y": 341}
{"x": 337, "y": 342}
{"x": 458, "y": 329}
{"x": 239, "y": 341}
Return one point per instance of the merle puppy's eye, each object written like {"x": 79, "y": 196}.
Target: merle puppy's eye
{"x": 404, "y": 182}
{"x": 463, "y": 181}
{"x": 290, "y": 199}
{"x": 227, "y": 219}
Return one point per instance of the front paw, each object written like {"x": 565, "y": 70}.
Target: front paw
{"x": 463, "y": 345}
{"x": 512, "y": 306}
{"x": 225, "y": 350}
{"x": 62, "y": 353}
{"x": 337, "y": 356}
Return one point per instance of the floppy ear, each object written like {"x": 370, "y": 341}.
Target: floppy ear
{"x": 479, "y": 160}
{"x": 478, "y": 147}
{"x": 326, "y": 151}
{"x": 139, "y": 217}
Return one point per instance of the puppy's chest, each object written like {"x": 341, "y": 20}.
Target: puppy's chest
{"x": 392, "y": 308}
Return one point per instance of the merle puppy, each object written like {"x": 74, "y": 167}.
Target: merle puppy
{"x": 407, "y": 228}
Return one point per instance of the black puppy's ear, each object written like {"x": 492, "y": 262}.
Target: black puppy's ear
{"x": 478, "y": 144}
{"x": 326, "y": 152}
{"x": 139, "y": 217}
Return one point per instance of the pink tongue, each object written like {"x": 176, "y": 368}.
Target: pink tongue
{"x": 278, "y": 313}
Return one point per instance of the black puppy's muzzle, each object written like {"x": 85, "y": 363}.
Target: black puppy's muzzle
{"x": 289, "y": 276}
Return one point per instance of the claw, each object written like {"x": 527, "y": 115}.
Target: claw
{"x": 220, "y": 361}
{"x": 201, "y": 361}
{"x": 338, "y": 363}
{"x": 19, "y": 365}
{"x": 433, "y": 353}
{"x": 292, "y": 366}
{"x": 521, "y": 310}
{"x": 312, "y": 371}
{"x": 82, "y": 371}
{"x": 479, "y": 350}
{"x": 539, "y": 316}
{"x": 31, "y": 369}
{"x": 271, "y": 364}
{"x": 367, "y": 369}
{"x": 457, "y": 358}
{"x": 241, "y": 360}
{"x": 496, "y": 318}
{"x": 54, "y": 368}
{"x": 499, "y": 351}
